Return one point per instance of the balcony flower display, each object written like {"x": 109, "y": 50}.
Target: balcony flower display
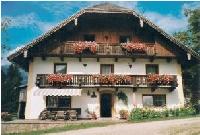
{"x": 134, "y": 47}
{"x": 155, "y": 80}
{"x": 85, "y": 47}
{"x": 59, "y": 79}
{"x": 112, "y": 79}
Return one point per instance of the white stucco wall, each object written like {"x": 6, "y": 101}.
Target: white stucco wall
{"x": 35, "y": 104}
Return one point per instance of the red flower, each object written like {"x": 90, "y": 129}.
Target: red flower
{"x": 79, "y": 47}
{"x": 134, "y": 47}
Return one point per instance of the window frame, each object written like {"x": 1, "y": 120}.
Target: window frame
{"x": 153, "y": 95}
{"x": 57, "y": 101}
{"x": 112, "y": 68}
{"x": 57, "y": 64}
{"x": 156, "y": 65}
{"x": 84, "y": 37}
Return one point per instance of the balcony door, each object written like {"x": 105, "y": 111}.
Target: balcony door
{"x": 107, "y": 69}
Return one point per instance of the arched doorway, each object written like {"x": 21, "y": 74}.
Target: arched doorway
{"x": 106, "y": 105}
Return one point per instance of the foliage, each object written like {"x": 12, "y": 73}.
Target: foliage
{"x": 134, "y": 47}
{"x": 5, "y": 116}
{"x": 155, "y": 79}
{"x": 9, "y": 92}
{"x": 112, "y": 79}
{"x": 152, "y": 113}
{"x": 85, "y": 47}
{"x": 122, "y": 96}
{"x": 92, "y": 115}
{"x": 190, "y": 37}
{"x": 123, "y": 114}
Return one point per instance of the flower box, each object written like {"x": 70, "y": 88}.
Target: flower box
{"x": 85, "y": 47}
{"x": 155, "y": 80}
{"x": 133, "y": 48}
{"x": 59, "y": 79}
{"x": 112, "y": 79}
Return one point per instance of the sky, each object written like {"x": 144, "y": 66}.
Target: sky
{"x": 31, "y": 19}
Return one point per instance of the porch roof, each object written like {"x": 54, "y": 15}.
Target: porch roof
{"x": 57, "y": 92}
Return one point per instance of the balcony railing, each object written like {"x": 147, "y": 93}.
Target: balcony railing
{"x": 85, "y": 80}
{"x": 66, "y": 48}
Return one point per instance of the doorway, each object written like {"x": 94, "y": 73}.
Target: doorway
{"x": 106, "y": 105}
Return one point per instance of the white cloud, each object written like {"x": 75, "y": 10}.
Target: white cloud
{"x": 191, "y": 5}
{"x": 169, "y": 22}
{"x": 29, "y": 20}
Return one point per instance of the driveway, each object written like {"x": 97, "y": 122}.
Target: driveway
{"x": 190, "y": 126}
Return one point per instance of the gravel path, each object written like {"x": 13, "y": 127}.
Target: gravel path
{"x": 170, "y": 127}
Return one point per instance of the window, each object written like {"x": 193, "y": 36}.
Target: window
{"x": 89, "y": 37}
{"x": 107, "y": 68}
{"x": 58, "y": 102}
{"x": 124, "y": 39}
{"x": 154, "y": 100}
{"x": 60, "y": 68}
{"x": 152, "y": 68}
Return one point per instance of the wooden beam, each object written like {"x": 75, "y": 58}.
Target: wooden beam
{"x": 61, "y": 58}
{"x": 151, "y": 59}
{"x": 153, "y": 89}
{"x": 116, "y": 59}
{"x": 116, "y": 89}
{"x": 134, "y": 89}
{"x": 133, "y": 59}
{"x": 80, "y": 59}
{"x": 97, "y": 59}
{"x": 43, "y": 58}
{"x": 168, "y": 60}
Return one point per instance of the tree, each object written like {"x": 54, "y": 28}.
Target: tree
{"x": 191, "y": 38}
{"x": 10, "y": 95}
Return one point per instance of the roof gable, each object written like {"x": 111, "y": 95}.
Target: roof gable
{"x": 103, "y": 8}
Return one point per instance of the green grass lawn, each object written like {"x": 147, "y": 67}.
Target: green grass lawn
{"x": 66, "y": 128}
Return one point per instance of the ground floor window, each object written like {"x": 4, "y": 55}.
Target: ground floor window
{"x": 58, "y": 102}
{"x": 154, "y": 100}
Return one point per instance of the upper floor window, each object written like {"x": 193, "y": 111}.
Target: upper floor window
{"x": 124, "y": 39}
{"x": 154, "y": 100}
{"x": 152, "y": 68}
{"x": 107, "y": 68}
{"x": 89, "y": 37}
{"x": 60, "y": 68}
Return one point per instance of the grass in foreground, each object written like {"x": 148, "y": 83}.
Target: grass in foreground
{"x": 65, "y": 128}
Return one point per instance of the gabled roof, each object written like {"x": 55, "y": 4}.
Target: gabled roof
{"x": 104, "y": 8}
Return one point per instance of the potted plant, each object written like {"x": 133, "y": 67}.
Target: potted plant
{"x": 123, "y": 114}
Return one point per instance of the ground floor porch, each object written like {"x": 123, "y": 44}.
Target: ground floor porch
{"x": 103, "y": 102}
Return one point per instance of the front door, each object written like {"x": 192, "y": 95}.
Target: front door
{"x": 106, "y": 105}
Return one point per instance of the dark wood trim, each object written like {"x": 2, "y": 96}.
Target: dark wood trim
{"x": 55, "y": 64}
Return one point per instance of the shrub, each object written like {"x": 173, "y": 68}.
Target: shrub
{"x": 151, "y": 113}
{"x": 5, "y": 116}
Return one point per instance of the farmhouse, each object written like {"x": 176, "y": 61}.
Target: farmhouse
{"x": 102, "y": 60}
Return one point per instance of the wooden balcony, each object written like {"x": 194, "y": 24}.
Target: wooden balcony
{"x": 105, "y": 50}
{"x": 89, "y": 81}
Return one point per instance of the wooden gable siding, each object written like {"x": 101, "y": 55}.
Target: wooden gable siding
{"x": 109, "y": 27}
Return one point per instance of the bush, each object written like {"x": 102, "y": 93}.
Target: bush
{"x": 5, "y": 116}
{"x": 151, "y": 113}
